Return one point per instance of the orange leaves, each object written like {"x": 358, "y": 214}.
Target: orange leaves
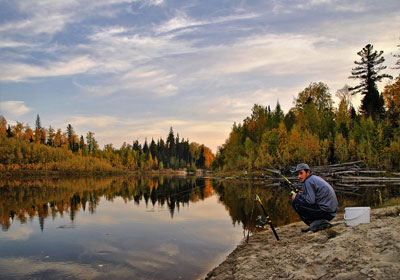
{"x": 391, "y": 95}
{"x": 209, "y": 157}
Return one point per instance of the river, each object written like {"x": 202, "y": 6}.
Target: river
{"x": 131, "y": 227}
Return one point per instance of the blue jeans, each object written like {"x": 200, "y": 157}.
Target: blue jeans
{"x": 310, "y": 212}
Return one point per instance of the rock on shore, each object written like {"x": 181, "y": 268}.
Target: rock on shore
{"x": 365, "y": 251}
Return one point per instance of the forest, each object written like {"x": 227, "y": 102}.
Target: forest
{"x": 22, "y": 148}
{"x": 315, "y": 132}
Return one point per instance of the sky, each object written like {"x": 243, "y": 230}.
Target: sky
{"x": 131, "y": 69}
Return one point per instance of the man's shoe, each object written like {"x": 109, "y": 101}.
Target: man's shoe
{"x": 319, "y": 225}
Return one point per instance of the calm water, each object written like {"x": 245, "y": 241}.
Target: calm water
{"x": 130, "y": 228}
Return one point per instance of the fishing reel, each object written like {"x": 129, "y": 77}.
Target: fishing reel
{"x": 261, "y": 222}
{"x": 293, "y": 191}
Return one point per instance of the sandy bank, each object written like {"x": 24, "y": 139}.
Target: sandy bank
{"x": 366, "y": 251}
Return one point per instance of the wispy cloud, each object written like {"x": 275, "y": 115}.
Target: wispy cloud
{"x": 15, "y": 72}
{"x": 275, "y": 53}
{"x": 42, "y": 16}
{"x": 142, "y": 81}
{"x": 183, "y": 21}
{"x": 12, "y": 44}
{"x": 95, "y": 121}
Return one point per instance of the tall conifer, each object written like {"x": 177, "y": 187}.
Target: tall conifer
{"x": 372, "y": 104}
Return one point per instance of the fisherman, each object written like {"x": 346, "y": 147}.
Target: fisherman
{"x": 317, "y": 203}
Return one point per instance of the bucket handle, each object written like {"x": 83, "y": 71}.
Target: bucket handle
{"x": 344, "y": 216}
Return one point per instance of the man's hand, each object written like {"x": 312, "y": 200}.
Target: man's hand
{"x": 294, "y": 195}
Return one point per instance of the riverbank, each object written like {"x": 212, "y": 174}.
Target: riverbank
{"x": 26, "y": 173}
{"x": 366, "y": 251}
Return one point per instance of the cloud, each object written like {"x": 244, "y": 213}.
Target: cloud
{"x": 12, "y": 44}
{"x": 127, "y": 45}
{"x": 149, "y": 81}
{"x": 278, "y": 54}
{"x": 288, "y": 7}
{"x": 170, "y": 250}
{"x": 20, "y": 233}
{"x": 154, "y": 2}
{"x": 183, "y": 21}
{"x": 178, "y": 22}
{"x": 49, "y": 17}
{"x": 21, "y": 267}
{"x": 15, "y": 108}
{"x": 95, "y": 121}
{"x": 16, "y": 72}
{"x": 166, "y": 91}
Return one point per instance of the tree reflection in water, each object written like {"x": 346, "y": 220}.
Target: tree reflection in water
{"x": 24, "y": 199}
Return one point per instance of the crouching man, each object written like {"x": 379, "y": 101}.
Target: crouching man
{"x": 317, "y": 204}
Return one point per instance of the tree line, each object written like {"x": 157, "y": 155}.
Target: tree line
{"x": 315, "y": 132}
{"x": 22, "y": 147}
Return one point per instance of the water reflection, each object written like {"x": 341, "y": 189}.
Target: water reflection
{"x": 119, "y": 227}
{"x": 135, "y": 227}
{"x": 23, "y": 200}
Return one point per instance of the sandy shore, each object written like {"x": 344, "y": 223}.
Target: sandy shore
{"x": 365, "y": 251}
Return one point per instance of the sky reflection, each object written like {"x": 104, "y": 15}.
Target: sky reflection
{"x": 121, "y": 239}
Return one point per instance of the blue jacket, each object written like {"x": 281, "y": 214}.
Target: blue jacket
{"x": 317, "y": 191}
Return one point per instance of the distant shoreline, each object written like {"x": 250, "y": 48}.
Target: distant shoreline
{"x": 59, "y": 173}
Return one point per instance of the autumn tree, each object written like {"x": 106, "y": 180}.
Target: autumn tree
{"x": 51, "y": 134}
{"x": 372, "y": 104}
{"x": 3, "y": 126}
{"x": 391, "y": 94}
{"x": 58, "y": 138}
{"x": 72, "y": 138}
{"x": 343, "y": 112}
{"x": 91, "y": 142}
{"x": 82, "y": 146}
{"x": 316, "y": 93}
{"x": 313, "y": 107}
{"x": 18, "y": 130}
{"x": 256, "y": 123}
{"x": 28, "y": 134}
{"x": 208, "y": 156}
{"x": 40, "y": 132}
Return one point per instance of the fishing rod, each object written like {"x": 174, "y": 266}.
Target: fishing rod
{"x": 293, "y": 188}
{"x": 267, "y": 219}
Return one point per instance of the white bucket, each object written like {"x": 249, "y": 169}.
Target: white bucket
{"x": 356, "y": 215}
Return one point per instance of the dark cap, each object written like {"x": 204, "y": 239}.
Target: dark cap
{"x": 302, "y": 166}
